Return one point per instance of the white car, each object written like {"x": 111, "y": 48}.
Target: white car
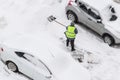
{"x": 60, "y": 67}
{"x": 27, "y": 64}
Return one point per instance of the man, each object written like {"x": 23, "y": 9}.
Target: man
{"x": 70, "y": 33}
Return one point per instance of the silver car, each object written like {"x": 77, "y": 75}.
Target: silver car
{"x": 98, "y": 15}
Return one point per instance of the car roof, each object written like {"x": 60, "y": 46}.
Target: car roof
{"x": 98, "y": 4}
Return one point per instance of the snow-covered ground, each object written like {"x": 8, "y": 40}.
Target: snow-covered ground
{"x": 28, "y": 18}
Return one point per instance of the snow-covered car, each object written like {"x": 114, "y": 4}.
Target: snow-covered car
{"x": 99, "y": 15}
{"x": 51, "y": 68}
{"x": 27, "y": 64}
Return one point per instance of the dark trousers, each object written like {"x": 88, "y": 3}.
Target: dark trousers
{"x": 71, "y": 41}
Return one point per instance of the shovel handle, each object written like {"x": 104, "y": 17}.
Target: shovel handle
{"x": 60, "y": 23}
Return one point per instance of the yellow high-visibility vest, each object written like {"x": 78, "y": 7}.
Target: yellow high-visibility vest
{"x": 70, "y": 33}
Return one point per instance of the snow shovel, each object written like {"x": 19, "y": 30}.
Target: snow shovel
{"x": 52, "y": 18}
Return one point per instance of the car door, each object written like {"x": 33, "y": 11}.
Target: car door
{"x": 94, "y": 20}
{"x": 41, "y": 66}
{"x": 82, "y": 12}
{"x": 28, "y": 67}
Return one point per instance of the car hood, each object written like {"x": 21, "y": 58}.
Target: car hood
{"x": 113, "y": 27}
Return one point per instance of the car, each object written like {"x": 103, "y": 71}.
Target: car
{"x": 24, "y": 63}
{"x": 118, "y": 1}
{"x": 46, "y": 67}
{"x": 100, "y": 16}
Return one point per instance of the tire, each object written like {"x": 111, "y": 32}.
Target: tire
{"x": 108, "y": 39}
{"x": 72, "y": 16}
{"x": 12, "y": 66}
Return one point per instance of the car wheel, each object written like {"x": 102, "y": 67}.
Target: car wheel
{"x": 12, "y": 66}
{"x": 109, "y": 40}
{"x": 72, "y": 16}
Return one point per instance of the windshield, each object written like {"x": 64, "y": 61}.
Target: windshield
{"x": 110, "y": 13}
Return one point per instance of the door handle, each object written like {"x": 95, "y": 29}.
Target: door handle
{"x": 90, "y": 19}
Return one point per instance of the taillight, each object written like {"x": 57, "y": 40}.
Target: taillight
{"x": 69, "y": 3}
{"x": 1, "y": 49}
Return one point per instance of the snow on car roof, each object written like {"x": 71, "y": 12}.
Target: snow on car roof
{"x": 97, "y": 4}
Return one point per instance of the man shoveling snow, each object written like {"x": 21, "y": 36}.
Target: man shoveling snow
{"x": 70, "y": 34}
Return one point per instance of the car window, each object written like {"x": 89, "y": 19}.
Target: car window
{"x": 112, "y": 12}
{"x": 20, "y": 54}
{"x": 112, "y": 9}
{"x": 94, "y": 14}
{"x": 89, "y": 11}
{"x": 75, "y": 1}
{"x": 83, "y": 6}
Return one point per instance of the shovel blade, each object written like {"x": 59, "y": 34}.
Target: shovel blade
{"x": 51, "y": 18}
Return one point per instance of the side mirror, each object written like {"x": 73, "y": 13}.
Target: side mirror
{"x": 99, "y": 21}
